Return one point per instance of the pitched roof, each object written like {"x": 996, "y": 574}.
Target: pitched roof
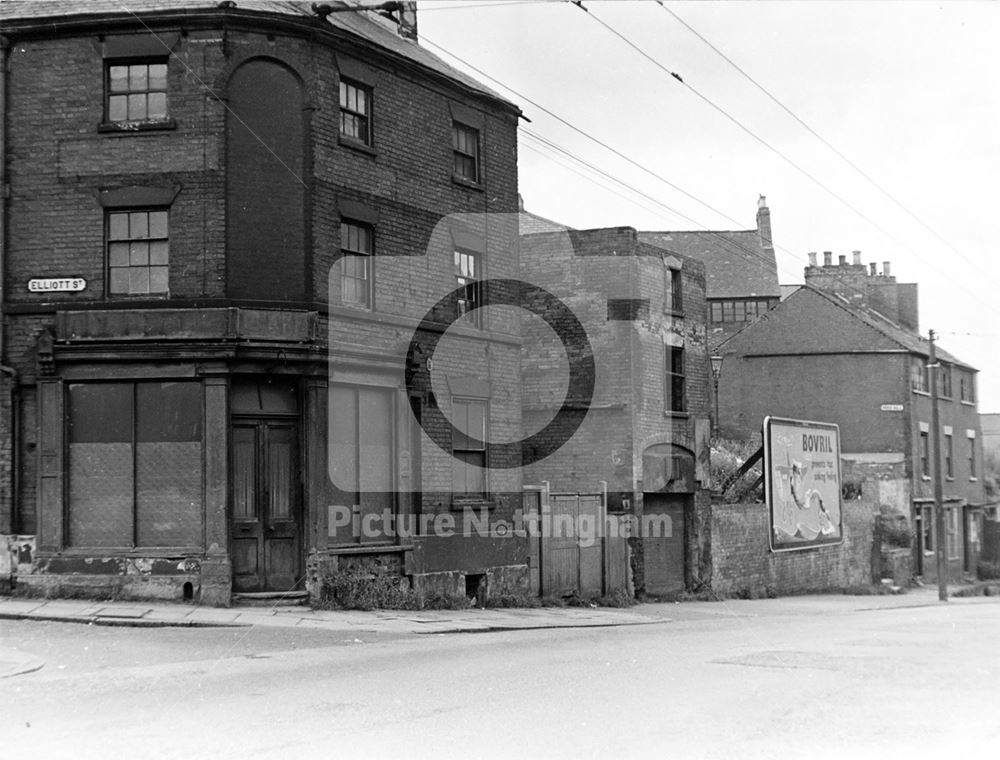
{"x": 736, "y": 263}
{"x": 356, "y": 23}
{"x": 900, "y": 336}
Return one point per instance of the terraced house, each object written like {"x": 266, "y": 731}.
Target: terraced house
{"x": 222, "y": 223}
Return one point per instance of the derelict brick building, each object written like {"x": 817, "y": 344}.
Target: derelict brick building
{"x": 222, "y": 222}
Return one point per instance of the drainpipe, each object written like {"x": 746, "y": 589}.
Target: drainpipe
{"x": 9, "y": 371}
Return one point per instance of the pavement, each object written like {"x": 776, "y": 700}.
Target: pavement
{"x": 406, "y": 622}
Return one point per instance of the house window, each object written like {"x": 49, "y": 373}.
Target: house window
{"x": 672, "y": 300}
{"x": 135, "y": 464}
{"x": 949, "y": 453}
{"x": 967, "y": 387}
{"x": 674, "y": 381}
{"x": 918, "y": 374}
{"x": 944, "y": 380}
{"x": 361, "y": 461}
{"x": 467, "y": 267}
{"x": 468, "y": 417}
{"x": 952, "y": 533}
{"x": 138, "y": 252}
{"x": 356, "y": 264}
{"x": 465, "y": 148}
{"x": 972, "y": 454}
{"x": 741, "y": 310}
{"x": 136, "y": 91}
{"x": 925, "y": 456}
{"x": 355, "y": 111}
{"x": 716, "y": 313}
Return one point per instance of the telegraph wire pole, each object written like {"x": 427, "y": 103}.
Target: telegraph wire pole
{"x": 939, "y": 528}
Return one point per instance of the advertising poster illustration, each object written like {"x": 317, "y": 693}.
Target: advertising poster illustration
{"x": 802, "y": 483}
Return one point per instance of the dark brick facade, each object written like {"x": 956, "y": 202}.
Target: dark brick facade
{"x": 274, "y": 316}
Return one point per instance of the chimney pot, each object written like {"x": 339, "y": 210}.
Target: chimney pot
{"x": 874, "y": 269}
{"x": 857, "y": 257}
{"x": 827, "y": 258}
{"x": 842, "y": 259}
{"x": 812, "y": 258}
{"x": 885, "y": 268}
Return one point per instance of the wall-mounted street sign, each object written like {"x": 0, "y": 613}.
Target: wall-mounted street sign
{"x": 57, "y": 285}
{"x": 892, "y": 407}
{"x": 802, "y": 483}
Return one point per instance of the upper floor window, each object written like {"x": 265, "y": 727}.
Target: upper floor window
{"x": 738, "y": 310}
{"x": 944, "y": 380}
{"x": 138, "y": 251}
{"x": 136, "y": 92}
{"x": 949, "y": 455}
{"x": 672, "y": 297}
{"x": 918, "y": 374}
{"x": 356, "y": 264}
{"x": 967, "y": 387}
{"x": 467, "y": 274}
{"x": 971, "y": 434}
{"x": 355, "y": 111}
{"x": 674, "y": 380}
{"x": 925, "y": 453}
{"x": 465, "y": 148}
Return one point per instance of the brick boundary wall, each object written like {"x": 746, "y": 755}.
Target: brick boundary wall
{"x": 742, "y": 561}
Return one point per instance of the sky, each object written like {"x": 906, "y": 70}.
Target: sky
{"x": 904, "y": 92}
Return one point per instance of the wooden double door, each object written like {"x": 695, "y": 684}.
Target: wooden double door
{"x": 266, "y": 522}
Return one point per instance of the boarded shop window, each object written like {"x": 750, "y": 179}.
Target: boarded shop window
{"x": 138, "y": 252}
{"x": 135, "y": 464}
{"x": 362, "y": 456}
{"x": 136, "y": 92}
{"x": 355, "y": 111}
{"x": 468, "y": 446}
{"x": 356, "y": 264}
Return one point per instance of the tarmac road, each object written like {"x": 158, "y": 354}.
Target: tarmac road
{"x": 797, "y": 677}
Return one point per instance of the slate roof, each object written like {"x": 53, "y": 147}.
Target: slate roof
{"x": 357, "y": 23}
{"x": 905, "y": 339}
{"x": 736, "y": 264}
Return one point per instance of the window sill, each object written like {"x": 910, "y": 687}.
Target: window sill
{"x": 921, "y": 393}
{"x": 676, "y": 415}
{"x": 674, "y": 313}
{"x": 372, "y": 548}
{"x": 119, "y": 127}
{"x": 926, "y": 478}
{"x": 968, "y": 403}
{"x": 973, "y": 480}
{"x": 358, "y": 145}
{"x": 950, "y": 478}
{"x": 467, "y": 183}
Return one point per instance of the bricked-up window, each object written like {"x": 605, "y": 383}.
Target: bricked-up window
{"x": 918, "y": 375}
{"x": 949, "y": 456}
{"x": 356, "y": 264}
{"x": 467, "y": 267}
{"x": 944, "y": 380}
{"x": 967, "y": 387}
{"x": 355, "y": 111}
{"x": 674, "y": 380}
{"x": 361, "y": 460}
{"x": 673, "y": 296}
{"x": 468, "y": 416}
{"x": 135, "y": 464}
{"x": 137, "y": 91}
{"x": 465, "y": 148}
{"x": 925, "y": 455}
{"x": 138, "y": 252}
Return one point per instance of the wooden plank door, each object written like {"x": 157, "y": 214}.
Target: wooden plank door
{"x": 265, "y": 505}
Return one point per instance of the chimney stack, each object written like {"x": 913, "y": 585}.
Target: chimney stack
{"x": 764, "y": 224}
{"x": 812, "y": 258}
{"x": 885, "y": 268}
{"x": 842, "y": 259}
{"x": 827, "y": 258}
{"x": 874, "y": 269}
{"x": 857, "y": 258}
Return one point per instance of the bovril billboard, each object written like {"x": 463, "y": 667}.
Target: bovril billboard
{"x": 802, "y": 483}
